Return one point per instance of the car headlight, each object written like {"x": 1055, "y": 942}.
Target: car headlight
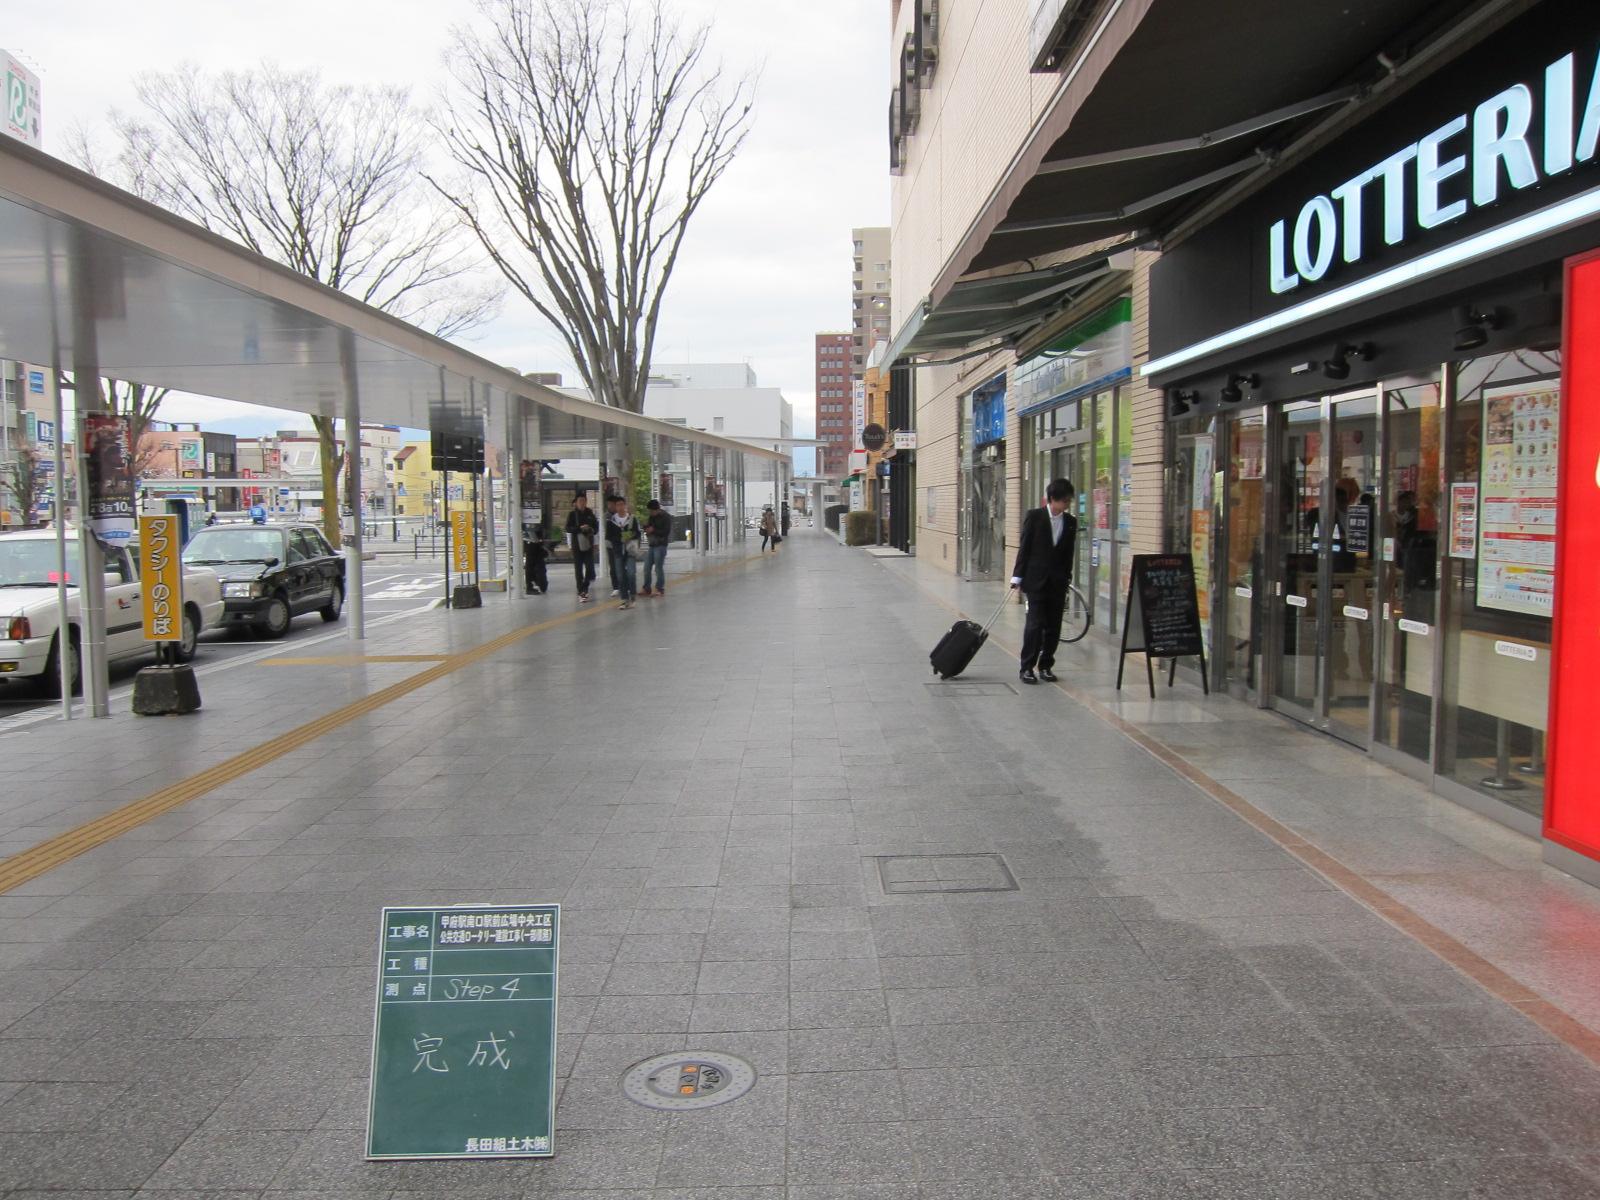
{"x": 239, "y": 591}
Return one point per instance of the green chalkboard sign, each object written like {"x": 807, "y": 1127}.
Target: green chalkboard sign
{"x": 464, "y": 1042}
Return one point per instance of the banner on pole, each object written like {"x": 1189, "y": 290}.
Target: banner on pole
{"x": 161, "y": 574}
{"x": 109, "y": 469}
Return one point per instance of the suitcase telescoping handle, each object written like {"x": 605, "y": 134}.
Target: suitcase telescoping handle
{"x": 1004, "y": 600}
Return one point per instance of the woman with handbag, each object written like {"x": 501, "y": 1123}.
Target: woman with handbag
{"x": 630, "y": 550}
{"x": 769, "y": 530}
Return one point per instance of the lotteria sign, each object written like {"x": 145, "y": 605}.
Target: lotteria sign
{"x": 1510, "y": 141}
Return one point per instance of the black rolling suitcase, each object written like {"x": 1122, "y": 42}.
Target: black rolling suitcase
{"x": 957, "y": 648}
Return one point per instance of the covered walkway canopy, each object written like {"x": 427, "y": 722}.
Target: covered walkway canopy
{"x": 95, "y": 281}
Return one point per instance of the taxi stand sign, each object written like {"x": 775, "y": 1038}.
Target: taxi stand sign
{"x": 464, "y": 1037}
{"x": 161, "y": 573}
{"x": 463, "y": 550}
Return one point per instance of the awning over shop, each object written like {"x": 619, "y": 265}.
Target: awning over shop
{"x": 1173, "y": 100}
{"x": 1003, "y": 306}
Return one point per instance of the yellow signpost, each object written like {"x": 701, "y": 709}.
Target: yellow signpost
{"x": 161, "y": 574}
{"x": 463, "y": 550}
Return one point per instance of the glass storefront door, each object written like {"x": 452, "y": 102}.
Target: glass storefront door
{"x": 1325, "y": 563}
{"x": 1075, "y": 464}
{"x": 1352, "y": 560}
{"x": 1409, "y": 584}
{"x": 1302, "y": 470}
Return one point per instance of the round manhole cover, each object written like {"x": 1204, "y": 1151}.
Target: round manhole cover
{"x": 688, "y": 1079}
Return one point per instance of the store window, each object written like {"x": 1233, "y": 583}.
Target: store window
{"x": 1103, "y": 495}
{"x": 1192, "y": 503}
{"x": 1239, "y": 650}
{"x": 1499, "y": 573}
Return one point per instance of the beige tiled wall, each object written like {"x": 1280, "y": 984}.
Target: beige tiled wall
{"x": 980, "y": 106}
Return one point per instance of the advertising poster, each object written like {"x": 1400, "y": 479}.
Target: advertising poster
{"x": 1517, "y": 510}
{"x": 1463, "y": 520}
{"x": 110, "y": 475}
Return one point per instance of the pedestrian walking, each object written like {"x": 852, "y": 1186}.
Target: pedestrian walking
{"x": 769, "y": 530}
{"x": 612, "y": 501}
{"x": 658, "y": 533}
{"x": 627, "y": 548}
{"x": 583, "y": 532}
{"x": 783, "y": 521}
{"x": 535, "y": 559}
{"x": 1043, "y": 571}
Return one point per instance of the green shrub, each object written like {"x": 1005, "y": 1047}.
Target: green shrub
{"x": 860, "y": 528}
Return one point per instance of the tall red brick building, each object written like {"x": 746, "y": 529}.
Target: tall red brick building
{"x": 833, "y": 369}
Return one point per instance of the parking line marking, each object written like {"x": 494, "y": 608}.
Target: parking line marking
{"x": 29, "y": 864}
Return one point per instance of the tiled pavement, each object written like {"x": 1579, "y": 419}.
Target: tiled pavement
{"x": 1169, "y": 1005}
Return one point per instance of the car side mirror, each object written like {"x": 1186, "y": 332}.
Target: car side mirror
{"x": 271, "y": 562}
{"x": 114, "y": 579}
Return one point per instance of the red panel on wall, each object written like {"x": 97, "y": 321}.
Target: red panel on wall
{"x": 1572, "y": 801}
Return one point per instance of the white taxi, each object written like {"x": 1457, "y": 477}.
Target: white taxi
{"x": 29, "y": 645}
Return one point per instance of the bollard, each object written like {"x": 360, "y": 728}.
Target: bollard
{"x": 164, "y": 691}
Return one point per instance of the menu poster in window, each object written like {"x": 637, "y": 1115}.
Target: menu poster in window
{"x": 1517, "y": 510}
{"x": 1463, "y": 520}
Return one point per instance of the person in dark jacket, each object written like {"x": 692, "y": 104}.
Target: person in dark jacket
{"x": 658, "y": 535}
{"x": 583, "y": 532}
{"x": 1043, "y": 571}
{"x": 622, "y": 527}
{"x": 535, "y": 559}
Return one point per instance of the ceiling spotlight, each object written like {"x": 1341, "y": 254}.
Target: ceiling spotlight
{"x": 1338, "y": 365}
{"x": 1181, "y": 400}
{"x": 1233, "y": 392}
{"x": 1475, "y": 326}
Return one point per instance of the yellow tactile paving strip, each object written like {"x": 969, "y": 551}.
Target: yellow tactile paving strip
{"x": 64, "y": 847}
{"x": 1555, "y": 1021}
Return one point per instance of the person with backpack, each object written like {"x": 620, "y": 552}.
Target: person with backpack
{"x": 583, "y": 531}
{"x": 658, "y": 533}
{"x": 626, "y": 541}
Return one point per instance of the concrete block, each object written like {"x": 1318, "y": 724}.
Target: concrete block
{"x": 161, "y": 691}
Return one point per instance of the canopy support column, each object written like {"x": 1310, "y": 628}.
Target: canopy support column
{"x": 92, "y": 588}
{"x": 354, "y": 573}
{"x": 516, "y": 577}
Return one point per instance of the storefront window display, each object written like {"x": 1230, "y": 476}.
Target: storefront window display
{"x": 1192, "y": 504}
{"x": 1499, "y": 573}
{"x": 1239, "y": 651}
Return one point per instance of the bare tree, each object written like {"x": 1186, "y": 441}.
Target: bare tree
{"x": 21, "y": 479}
{"x": 589, "y": 132}
{"x": 324, "y": 179}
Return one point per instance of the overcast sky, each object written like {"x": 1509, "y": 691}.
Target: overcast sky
{"x": 767, "y": 261}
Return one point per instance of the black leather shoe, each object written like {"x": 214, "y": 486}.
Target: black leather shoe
{"x": 1028, "y": 677}
{"x": 1046, "y": 674}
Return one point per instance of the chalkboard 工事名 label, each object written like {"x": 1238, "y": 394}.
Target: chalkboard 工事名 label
{"x": 463, "y": 1057}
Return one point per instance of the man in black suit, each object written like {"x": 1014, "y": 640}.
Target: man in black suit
{"x": 1043, "y": 571}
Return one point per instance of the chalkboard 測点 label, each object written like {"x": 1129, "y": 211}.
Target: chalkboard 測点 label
{"x": 464, "y": 1042}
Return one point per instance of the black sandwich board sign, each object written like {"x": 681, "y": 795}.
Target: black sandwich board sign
{"x": 1163, "y": 616}
{"x": 464, "y": 1041}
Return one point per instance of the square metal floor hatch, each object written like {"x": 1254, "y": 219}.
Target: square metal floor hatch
{"x": 903, "y": 873}
{"x": 962, "y": 689}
